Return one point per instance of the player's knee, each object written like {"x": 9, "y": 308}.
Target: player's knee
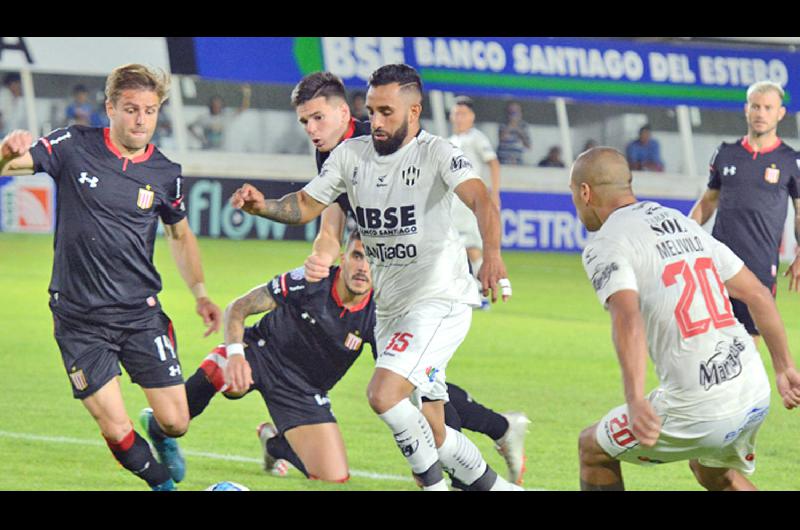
{"x": 588, "y": 450}
{"x": 379, "y": 399}
{"x": 712, "y": 480}
{"x": 234, "y": 395}
{"x": 175, "y": 425}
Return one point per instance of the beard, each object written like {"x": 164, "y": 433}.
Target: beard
{"x": 392, "y": 143}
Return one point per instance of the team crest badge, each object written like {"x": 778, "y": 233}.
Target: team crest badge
{"x": 78, "y": 380}
{"x": 772, "y": 174}
{"x": 353, "y": 341}
{"x": 145, "y": 199}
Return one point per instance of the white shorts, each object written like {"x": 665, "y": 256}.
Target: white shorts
{"x": 466, "y": 224}
{"x": 419, "y": 344}
{"x": 726, "y": 443}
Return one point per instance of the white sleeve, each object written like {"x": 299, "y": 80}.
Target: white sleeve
{"x": 454, "y": 167}
{"x": 608, "y": 268}
{"x": 727, "y": 262}
{"x": 329, "y": 184}
{"x": 485, "y": 147}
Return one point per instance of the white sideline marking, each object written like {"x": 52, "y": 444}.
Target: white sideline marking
{"x": 199, "y": 454}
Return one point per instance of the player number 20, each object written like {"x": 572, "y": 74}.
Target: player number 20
{"x": 162, "y": 345}
{"x": 693, "y": 277}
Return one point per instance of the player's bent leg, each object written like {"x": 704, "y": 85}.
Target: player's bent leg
{"x": 167, "y": 419}
{"x": 388, "y": 396}
{"x": 720, "y": 479}
{"x": 599, "y": 472}
{"x": 434, "y": 413}
{"x": 128, "y": 447}
{"x": 321, "y": 449}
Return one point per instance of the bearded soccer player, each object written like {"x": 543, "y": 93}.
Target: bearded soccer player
{"x": 321, "y": 105}
{"x": 113, "y": 187}
{"x": 665, "y": 282}
{"x": 401, "y": 182}
{"x": 749, "y": 186}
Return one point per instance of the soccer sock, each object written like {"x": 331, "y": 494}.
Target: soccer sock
{"x": 474, "y": 416}
{"x": 461, "y": 458}
{"x": 133, "y": 452}
{"x": 451, "y": 417}
{"x": 415, "y": 440}
{"x": 199, "y": 391}
{"x": 278, "y": 447}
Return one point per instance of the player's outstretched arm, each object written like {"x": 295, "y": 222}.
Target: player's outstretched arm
{"x": 327, "y": 244}
{"x": 705, "y": 206}
{"x": 793, "y": 272}
{"x": 293, "y": 208}
{"x": 630, "y": 341}
{"x": 492, "y": 275}
{"x": 15, "y": 151}
{"x": 238, "y": 374}
{"x": 749, "y": 289}
{"x": 186, "y": 253}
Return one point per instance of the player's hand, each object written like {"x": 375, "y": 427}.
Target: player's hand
{"x": 16, "y": 144}
{"x": 788, "y": 383}
{"x": 493, "y": 277}
{"x": 238, "y": 375}
{"x": 212, "y": 316}
{"x": 793, "y": 272}
{"x": 249, "y": 199}
{"x": 646, "y": 425}
{"x": 317, "y": 267}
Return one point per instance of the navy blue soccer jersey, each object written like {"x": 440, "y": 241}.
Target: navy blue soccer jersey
{"x": 108, "y": 208}
{"x": 754, "y": 187}
{"x": 312, "y": 339}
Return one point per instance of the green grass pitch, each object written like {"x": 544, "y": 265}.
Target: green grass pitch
{"x": 547, "y": 352}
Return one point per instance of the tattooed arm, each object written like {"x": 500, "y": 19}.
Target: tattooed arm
{"x": 293, "y": 208}
{"x": 238, "y": 374}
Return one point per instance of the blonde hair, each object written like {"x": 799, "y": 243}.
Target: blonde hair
{"x": 137, "y": 77}
{"x": 765, "y": 86}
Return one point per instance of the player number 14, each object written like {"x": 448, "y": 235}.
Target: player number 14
{"x": 693, "y": 277}
{"x": 162, "y": 344}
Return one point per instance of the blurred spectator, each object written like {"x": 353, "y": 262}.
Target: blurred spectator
{"x": 590, "y": 143}
{"x": 80, "y": 111}
{"x": 513, "y": 136}
{"x": 210, "y": 129}
{"x": 12, "y": 104}
{"x": 553, "y": 158}
{"x": 644, "y": 152}
{"x": 162, "y": 138}
{"x": 359, "y": 107}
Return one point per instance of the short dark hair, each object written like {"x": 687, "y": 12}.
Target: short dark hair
{"x": 355, "y": 235}
{"x": 402, "y": 74}
{"x": 645, "y": 127}
{"x": 466, "y": 101}
{"x": 318, "y": 84}
{"x": 79, "y": 88}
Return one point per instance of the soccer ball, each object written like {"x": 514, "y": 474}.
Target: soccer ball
{"x": 227, "y": 486}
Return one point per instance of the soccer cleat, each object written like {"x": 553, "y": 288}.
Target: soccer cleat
{"x": 274, "y": 466}
{"x": 169, "y": 485}
{"x": 169, "y": 452}
{"x": 512, "y": 445}
{"x": 486, "y": 305}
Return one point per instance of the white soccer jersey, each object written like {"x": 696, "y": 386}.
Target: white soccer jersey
{"x": 478, "y": 149}
{"x": 403, "y": 207}
{"x": 706, "y": 362}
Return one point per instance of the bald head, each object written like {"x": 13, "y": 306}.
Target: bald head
{"x": 602, "y": 166}
{"x": 600, "y": 183}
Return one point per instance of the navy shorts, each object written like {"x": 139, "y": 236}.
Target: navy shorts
{"x": 92, "y": 351}
{"x": 289, "y": 406}
{"x": 743, "y": 314}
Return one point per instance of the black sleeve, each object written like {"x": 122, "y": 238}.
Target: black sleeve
{"x": 794, "y": 178}
{"x": 173, "y": 209}
{"x": 50, "y": 151}
{"x": 289, "y": 287}
{"x": 344, "y": 204}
